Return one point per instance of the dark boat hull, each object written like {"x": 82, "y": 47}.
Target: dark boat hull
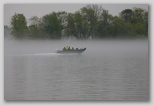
{"x": 79, "y": 51}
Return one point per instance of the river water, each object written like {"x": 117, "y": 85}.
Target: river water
{"x": 109, "y": 70}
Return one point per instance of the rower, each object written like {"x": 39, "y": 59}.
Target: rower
{"x": 64, "y": 48}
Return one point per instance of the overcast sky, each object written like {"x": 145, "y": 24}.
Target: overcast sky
{"x": 40, "y": 10}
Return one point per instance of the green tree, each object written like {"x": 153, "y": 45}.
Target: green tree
{"x": 81, "y": 25}
{"x": 104, "y": 24}
{"x": 89, "y": 21}
{"x": 19, "y": 26}
{"x": 119, "y": 29}
{"x": 71, "y": 29}
{"x": 135, "y": 22}
{"x": 52, "y": 26}
{"x": 35, "y": 29}
{"x": 62, "y": 17}
{"x": 126, "y": 15}
{"x": 146, "y": 22}
{"x": 77, "y": 25}
{"x": 138, "y": 15}
{"x": 140, "y": 21}
{"x": 90, "y": 14}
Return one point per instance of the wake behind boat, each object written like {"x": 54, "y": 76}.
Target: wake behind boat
{"x": 67, "y": 50}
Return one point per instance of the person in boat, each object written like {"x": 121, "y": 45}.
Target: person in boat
{"x": 66, "y": 48}
{"x": 72, "y": 48}
{"x": 69, "y": 48}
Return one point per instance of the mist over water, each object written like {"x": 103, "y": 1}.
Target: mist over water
{"x": 93, "y": 46}
{"x": 107, "y": 70}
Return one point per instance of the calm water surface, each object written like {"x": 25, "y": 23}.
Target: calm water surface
{"x": 107, "y": 70}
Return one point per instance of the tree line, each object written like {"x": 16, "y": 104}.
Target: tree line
{"x": 91, "y": 21}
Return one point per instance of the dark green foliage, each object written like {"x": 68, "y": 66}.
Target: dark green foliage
{"x": 19, "y": 26}
{"x": 127, "y": 15}
{"x": 52, "y": 26}
{"x": 71, "y": 30}
{"x": 90, "y": 21}
{"x": 105, "y": 25}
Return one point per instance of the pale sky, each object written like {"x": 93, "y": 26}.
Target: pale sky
{"x": 40, "y": 10}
